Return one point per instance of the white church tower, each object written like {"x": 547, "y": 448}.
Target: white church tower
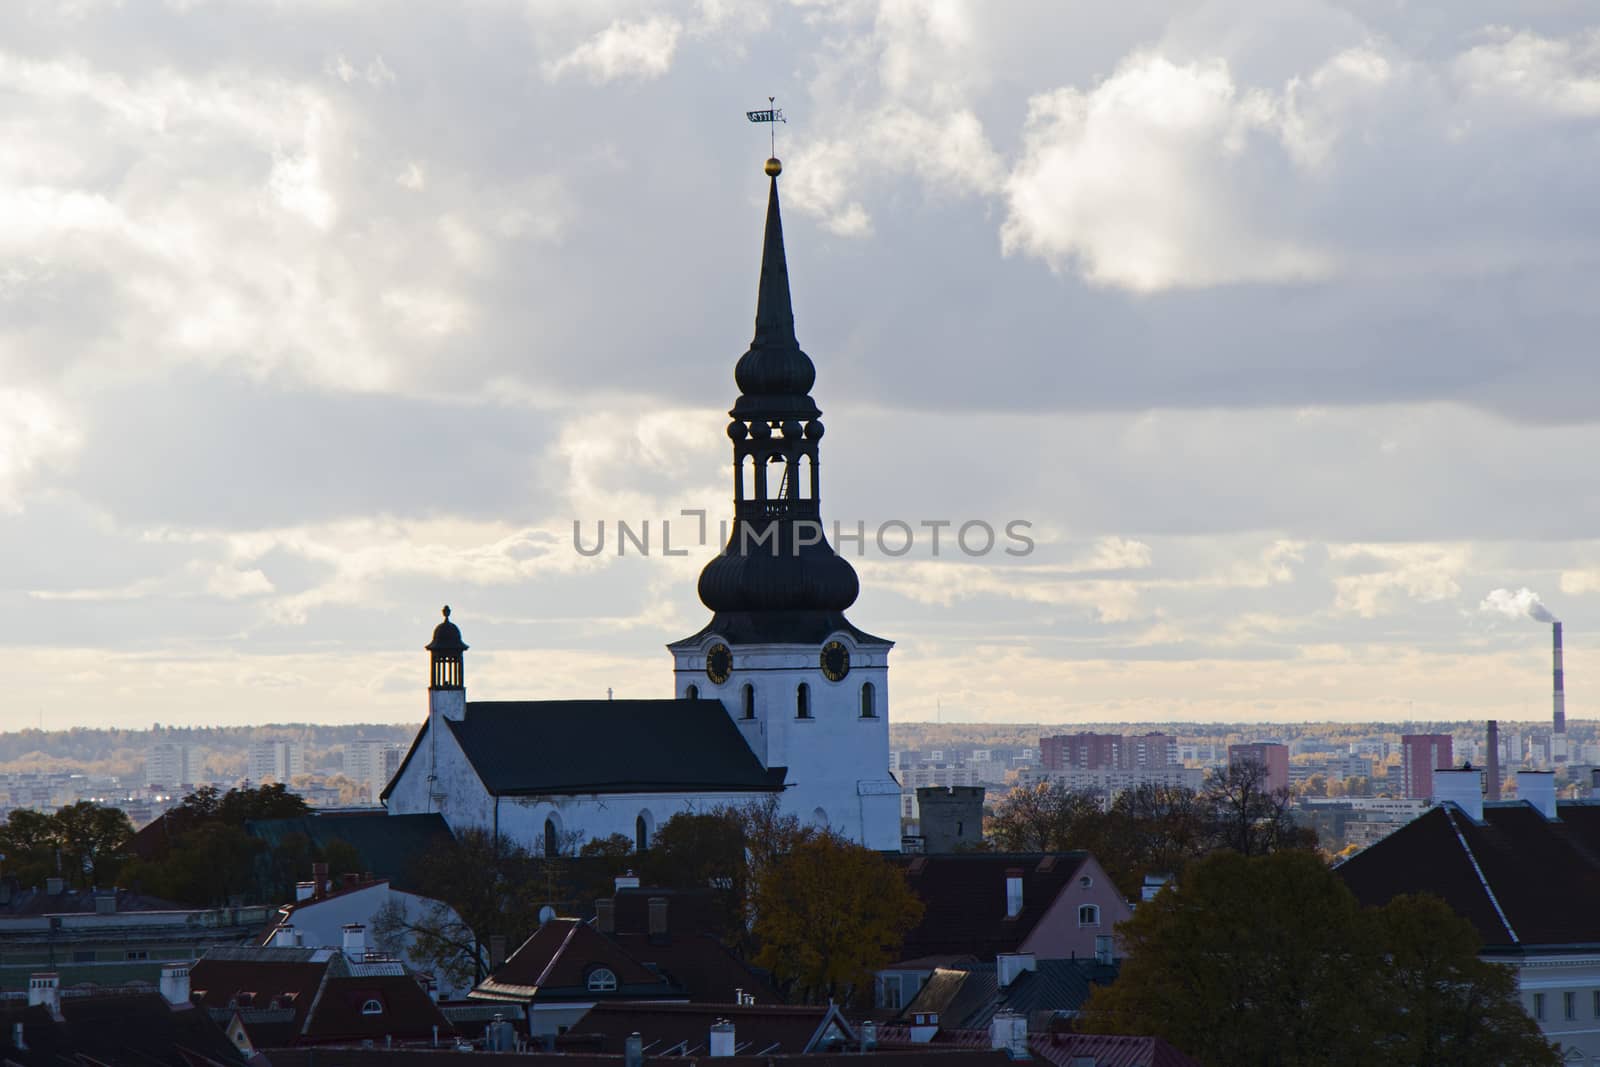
{"x": 808, "y": 691}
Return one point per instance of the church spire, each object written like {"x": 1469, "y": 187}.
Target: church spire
{"x": 775, "y": 376}
{"x": 774, "y": 310}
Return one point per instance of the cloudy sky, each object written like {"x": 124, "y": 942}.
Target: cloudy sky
{"x": 1275, "y": 318}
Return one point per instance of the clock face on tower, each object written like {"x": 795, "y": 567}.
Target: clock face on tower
{"x": 835, "y": 661}
{"x": 719, "y": 663}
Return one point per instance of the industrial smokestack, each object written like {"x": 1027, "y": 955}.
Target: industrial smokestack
{"x": 1492, "y": 771}
{"x": 1561, "y": 686}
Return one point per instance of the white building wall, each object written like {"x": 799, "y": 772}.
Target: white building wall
{"x": 837, "y": 760}
{"x": 1555, "y": 976}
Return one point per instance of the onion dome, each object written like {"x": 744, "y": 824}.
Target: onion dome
{"x": 752, "y": 578}
{"x": 446, "y": 636}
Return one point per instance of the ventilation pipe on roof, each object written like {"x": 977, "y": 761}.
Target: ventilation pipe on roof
{"x": 633, "y": 1050}
{"x": 355, "y": 940}
{"x": 722, "y": 1038}
{"x": 1463, "y": 788}
{"x": 1013, "y": 892}
{"x": 1539, "y": 789}
{"x": 16, "y": 1038}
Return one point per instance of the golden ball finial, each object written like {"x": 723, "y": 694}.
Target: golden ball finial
{"x": 773, "y": 167}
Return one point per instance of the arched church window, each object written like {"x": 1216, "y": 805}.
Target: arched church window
{"x": 749, "y": 701}
{"x": 641, "y": 833}
{"x": 802, "y": 701}
{"x": 552, "y": 846}
{"x": 869, "y": 701}
{"x": 692, "y": 693}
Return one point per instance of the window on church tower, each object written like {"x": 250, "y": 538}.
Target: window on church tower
{"x": 869, "y": 701}
{"x": 693, "y": 692}
{"x": 749, "y": 701}
{"x": 802, "y": 701}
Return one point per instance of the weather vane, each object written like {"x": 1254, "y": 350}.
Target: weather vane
{"x": 773, "y": 115}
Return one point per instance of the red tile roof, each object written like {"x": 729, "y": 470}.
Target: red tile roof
{"x": 558, "y": 959}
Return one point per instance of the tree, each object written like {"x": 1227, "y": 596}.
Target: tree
{"x": 1268, "y": 960}
{"x": 1445, "y": 1006}
{"x": 28, "y": 842}
{"x": 93, "y": 842}
{"x": 494, "y": 887}
{"x": 829, "y": 914}
{"x": 435, "y": 935}
{"x": 1250, "y": 818}
{"x": 1047, "y": 817}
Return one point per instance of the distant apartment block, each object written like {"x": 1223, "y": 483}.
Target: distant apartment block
{"x": 171, "y": 764}
{"x": 1108, "y": 783}
{"x": 1420, "y": 756}
{"x": 275, "y": 761}
{"x": 1271, "y": 755}
{"x": 1106, "y": 752}
{"x": 371, "y": 764}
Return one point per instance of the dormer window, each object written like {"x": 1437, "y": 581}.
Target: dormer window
{"x": 372, "y": 1007}
{"x": 1089, "y": 915}
{"x": 602, "y": 980}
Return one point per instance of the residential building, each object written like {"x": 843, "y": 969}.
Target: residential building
{"x": 1107, "y": 752}
{"x": 1420, "y": 756}
{"x": 1054, "y": 905}
{"x": 1109, "y": 783}
{"x": 676, "y": 934}
{"x": 1522, "y": 872}
{"x": 171, "y": 765}
{"x": 370, "y": 764}
{"x": 1269, "y": 754}
{"x": 968, "y": 995}
{"x": 275, "y": 761}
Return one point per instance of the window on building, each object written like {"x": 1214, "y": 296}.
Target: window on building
{"x": 1569, "y": 1005}
{"x": 372, "y": 1007}
{"x": 889, "y": 992}
{"x": 602, "y": 980}
{"x": 869, "y": 701}
{"x": 1597, "y": 1003}
{"x": 693, "y": 692}
{"x": 83, "y": 956}
{"x": 552, "y": 847}
{"x": 802, "y": 701}
{"x": 137, "y": 954}
{"x": 1538, "y": 1007}
{"x": 641, "y": 833}
{"x": 749, "y": 701}
{"x": 1089, "y": 915}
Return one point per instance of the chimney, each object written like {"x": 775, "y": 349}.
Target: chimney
{"x": 53, "y": 886}
{"x": 605, "y": 915}
{"x": 44, "y": 990}
{"x": 1008, "y": 1032}
{"x": 175, "y": 984}
{"x": 924, "y": 1024}
{"x": 869, "y": 1036}
{"x": 722, "y": 1043}
{"x": 1013, "y": 892}
{"x": 105, "y": 902}
{"x": 1492, "y": 743}
{"x": 285, "y": 936}
{"x": 1463, "y": 788}
{"x": 1539, "y": 789}
{"x": 319, "y": 876}
{"x": 304, "y": 891}
{"x": 633, "y": 1050}
{"x": 16, "y": 1038}
{"x": 626, "y": 881}
{"x": 355, "y": 940}
{"x": 658, "y": 916}
{"x": 1008, "y": 966}
{"x": 497, "y": 950}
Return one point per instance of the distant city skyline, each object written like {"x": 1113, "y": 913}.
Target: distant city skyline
{"x": 1275, "y": 324}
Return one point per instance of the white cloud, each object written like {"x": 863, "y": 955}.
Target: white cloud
{"x": 1560, "y": 75}
{"x": 34, "y": 433}
{"x": 1390, "y": 575}
{"x": 1136, "y": 183}
{"x": 623, "y": 50}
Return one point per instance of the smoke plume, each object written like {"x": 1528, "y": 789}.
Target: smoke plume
{"x": 1523, "y": 604}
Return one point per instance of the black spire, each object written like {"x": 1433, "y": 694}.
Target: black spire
{"x": 775, "y": 375}
{"x": 778, "y": 577}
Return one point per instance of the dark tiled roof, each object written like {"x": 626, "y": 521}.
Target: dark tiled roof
{"x": 36, "y": 901}
{"x": 1063, "y": 1049}
{"x": 964, "y": 896}
{"x": 689, "y": 911}
{"x": 968, "y": 998}
{"x": 417, "y": 1057}
{"x": 389, "y": 844}
{"x": 259, "y": 980}
{"x": 758, "y": 1030}
{"x": 583, "y": 746}
{"x": 138, "y": 1028}
{"x": 556, "y": 961}
{"x": 408, "y": 1013}
{"x": 1539, "y": 878}
{"x": 699, "y": 965}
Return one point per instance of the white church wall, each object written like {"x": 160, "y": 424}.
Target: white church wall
{"x": 587, "y": 817}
